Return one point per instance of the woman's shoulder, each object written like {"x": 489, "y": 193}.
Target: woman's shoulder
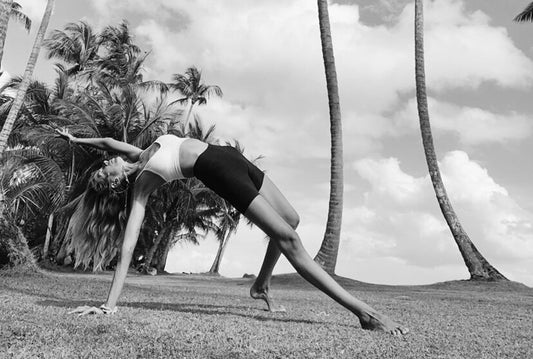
{"x": 170, "y": 137}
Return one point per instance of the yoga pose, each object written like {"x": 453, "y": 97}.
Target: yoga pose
{"x": 233, "y": 177}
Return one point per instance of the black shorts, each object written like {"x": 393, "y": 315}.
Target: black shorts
{"x": 230, "y": 175}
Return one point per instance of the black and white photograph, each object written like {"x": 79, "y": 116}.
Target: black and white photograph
{"x": 266, "y": 179}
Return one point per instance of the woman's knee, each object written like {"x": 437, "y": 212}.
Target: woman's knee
{"x": 293, "y": 219}
{"x": 289, "y": 242}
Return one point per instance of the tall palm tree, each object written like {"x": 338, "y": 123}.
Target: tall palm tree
{"x": 21, "y": 93}
{"x": 193, "y": 90}
{"x": 526, "y": 15}
{"x": 327, "y": 255}
{"x": 478, "y": 266}
{"x": 10, "y": 9}
{"x": 8, "y": 125}
{"x": 76, "y": 45}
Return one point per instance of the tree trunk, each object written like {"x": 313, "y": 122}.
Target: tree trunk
{"x": 5, "y": 12}
{"x": 327, "y": 255}
{"x": 14, "y": 249}
{"x": 478, "y": 266}
{"x": 220, "y": 253}
{"x": 48, "y": 235}
{"x": 191, "y": 104}
{"x": 21, "y": 92}
{"x": 165, "y": 248}
{"x": 150, "y": 255}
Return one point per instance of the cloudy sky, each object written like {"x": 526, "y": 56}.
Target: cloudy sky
{"x": 266, "y": 57}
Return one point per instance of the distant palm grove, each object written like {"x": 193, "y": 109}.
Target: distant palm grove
{"x": 100, "y": 91}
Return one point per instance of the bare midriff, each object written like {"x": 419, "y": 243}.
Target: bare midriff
{"x": 190, "y": 150}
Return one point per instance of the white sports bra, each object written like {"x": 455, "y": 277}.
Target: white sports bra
{"x": 165, "y": 162}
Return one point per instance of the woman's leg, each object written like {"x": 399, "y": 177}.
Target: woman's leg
{"x": 260, "y": 288}
{"x": 262, "y": 214}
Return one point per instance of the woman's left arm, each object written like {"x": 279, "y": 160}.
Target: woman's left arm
{"x": 131, "y": 235}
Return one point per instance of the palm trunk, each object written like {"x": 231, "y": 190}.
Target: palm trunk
{"x": 72, "y": 171}
{"x": 327, "y": 255}
{"x": 215, "y": 267}
{"x": 477, "y": 265}
{"x": 150, "y": 255}
{"x": 21, "y": 92}
{"x": 5, "y": 12}
{"x": 48, "y": 235}
{"x": 191, "y": 104}
{"x": 162, "y": 260}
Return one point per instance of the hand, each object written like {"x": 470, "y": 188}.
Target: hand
{"x": 85, "y": 309}
{"x": 63, "y": 132}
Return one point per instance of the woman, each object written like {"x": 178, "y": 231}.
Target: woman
{"x": 248, "y": 189}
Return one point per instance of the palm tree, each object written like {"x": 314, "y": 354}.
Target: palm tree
{"x": 31, "y": 183}
{"x": 526, "y": 15}
{"x": 76, "y": 45}
{"x": 227, "y": 222}
{"x": 193, "y": 90}
{"x": 21, "y": 93}
{"x": 327, "y": 255}
{"x": 6, "y": 130}
{"x": 10, "y": 9}
{"x": 33, "y": 130}
{"x": 181, "y": 207}
{"x": 478, "y": 266}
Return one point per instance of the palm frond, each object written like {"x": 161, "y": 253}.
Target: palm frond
{"x": 526, "y": 15}
{"x": 17, "y": 14}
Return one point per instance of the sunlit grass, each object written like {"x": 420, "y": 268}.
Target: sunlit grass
{"x": 210, "y": 317}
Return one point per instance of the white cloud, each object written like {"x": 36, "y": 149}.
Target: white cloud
{"x": 267, "y": 55}
{"x": 410, "y": 226}
{"x": 389, "y": 180}
{"x": 473, "y": 126}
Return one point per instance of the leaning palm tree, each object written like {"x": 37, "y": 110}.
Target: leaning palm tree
{"x": 10, "y": 9}
{"x": 193, "y": 90}
{"x": 526, "y": 15}
{"x": 478, "y": 266}
{"x": 227, "y": 222}
{"x": 21, "y": 93}
{"x": 327, "y": 255}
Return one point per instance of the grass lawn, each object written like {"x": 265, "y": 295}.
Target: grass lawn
{"x": 190, "y": 316}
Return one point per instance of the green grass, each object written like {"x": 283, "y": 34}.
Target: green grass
{"x": 180, "y": 316}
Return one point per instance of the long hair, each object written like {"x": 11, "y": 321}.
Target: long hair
{"x": 96, "y": 227}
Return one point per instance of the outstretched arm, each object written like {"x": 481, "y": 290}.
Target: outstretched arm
{"x": 104, "y": 143}
{"x": 131, "y": 235}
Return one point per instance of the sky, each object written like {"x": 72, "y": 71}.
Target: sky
{"x": 266, "y": 57}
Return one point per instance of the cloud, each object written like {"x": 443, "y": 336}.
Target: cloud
{"x": 473, "y": 126}
{"x": 409, "y": 225}
{"x": 267, "y": 55}
{"x": 389, "y": 180}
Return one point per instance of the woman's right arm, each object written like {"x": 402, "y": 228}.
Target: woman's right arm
{"x": 104, "y": 143}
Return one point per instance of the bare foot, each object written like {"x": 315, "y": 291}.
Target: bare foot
{"x": 257, "y": 293}
{"x": 376, "y": 321}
